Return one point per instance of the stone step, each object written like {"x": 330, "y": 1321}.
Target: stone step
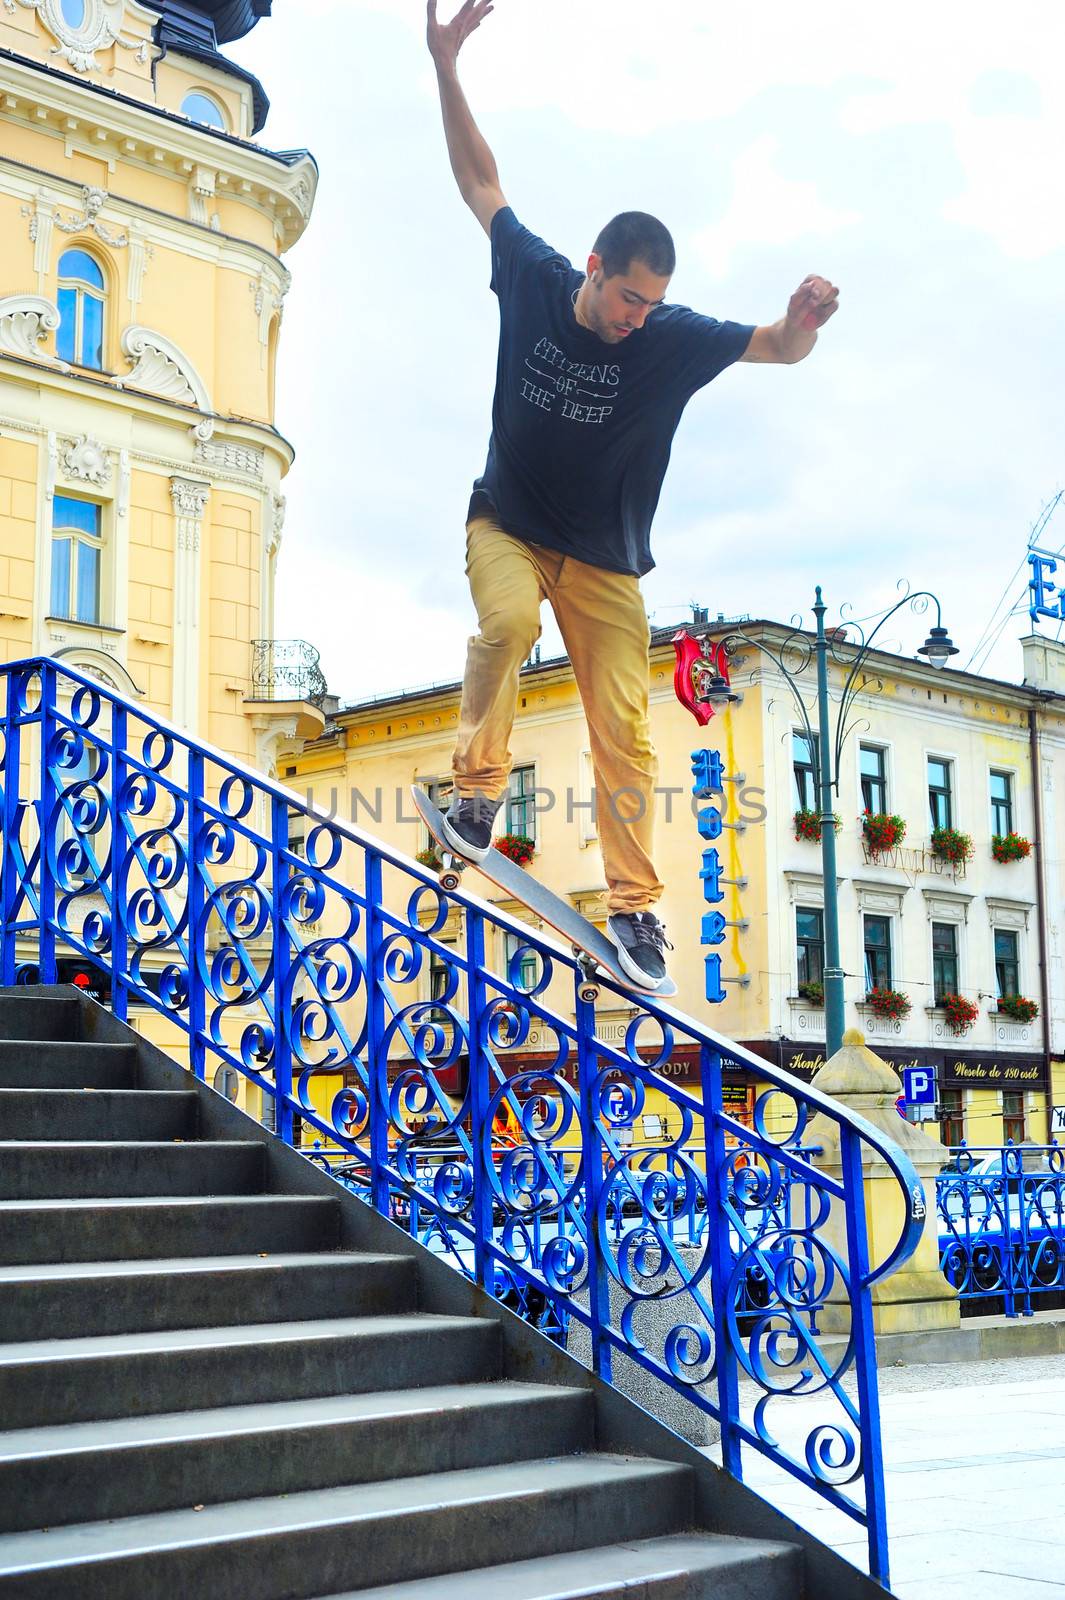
{"x": 44, "y": 1382}
{"x": 111, "y": 1114}
{"x": 681, "y": 1566}
{"x": 100, "y": 1297}
{"x": 67, "y": 1065}
{"x": 35, "y": 1231}
{"x": 131, "y": 1466}
{"x": 376, "y": 1533}
{"x": 42, "y": 1169}
{"x": 39, "y": 1014}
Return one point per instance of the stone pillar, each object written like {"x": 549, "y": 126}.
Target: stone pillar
{"x": 917, "y": 1298}
{"x": 190, "y": 499}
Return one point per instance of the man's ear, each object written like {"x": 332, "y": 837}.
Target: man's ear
{"x": 595, "y": 268}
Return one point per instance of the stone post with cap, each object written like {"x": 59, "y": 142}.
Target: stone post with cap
{"x": 917, "y": 1298}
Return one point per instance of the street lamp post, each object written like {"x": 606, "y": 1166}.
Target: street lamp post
{"x": 825, "y": 749}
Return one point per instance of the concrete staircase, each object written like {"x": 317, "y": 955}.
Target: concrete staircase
{"x": 223, "y": 1376}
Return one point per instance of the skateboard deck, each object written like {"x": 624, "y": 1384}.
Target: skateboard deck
{"x": 593, "y": 948}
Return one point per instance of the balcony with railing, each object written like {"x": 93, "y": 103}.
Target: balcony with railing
{"x": 288, "y": 688}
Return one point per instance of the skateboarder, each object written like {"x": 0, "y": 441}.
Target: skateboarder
{"x": 593, "y": 374}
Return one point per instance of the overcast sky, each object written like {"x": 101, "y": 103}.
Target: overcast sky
{"x": 913, "y": 153}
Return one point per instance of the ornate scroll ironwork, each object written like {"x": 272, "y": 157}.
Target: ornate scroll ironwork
{"x": 287, "y": 669}
{"x": 1002, "y": 1223}
{"x": 365, "y": 1004}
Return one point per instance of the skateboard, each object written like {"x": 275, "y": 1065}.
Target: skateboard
{"x": 595, "y": 954}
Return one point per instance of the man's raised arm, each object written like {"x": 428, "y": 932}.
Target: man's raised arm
{"x": 471, "y": 160}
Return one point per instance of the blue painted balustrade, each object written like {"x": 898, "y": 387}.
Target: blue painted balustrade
{"x": 1001, "y": 1213}
{"x": 308, "y": 971}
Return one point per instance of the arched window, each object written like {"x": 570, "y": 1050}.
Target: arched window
{"x": 73, "y": 12}
{"x": 199, "y": 107}
{"x": 80, "y": 339}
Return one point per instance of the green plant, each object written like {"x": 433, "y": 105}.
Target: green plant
{"x": 950, "y": 845}
{"x": 517, "y": 847}
{"x": 1009, "y": 847}
{"x": 430, "y": 858}
{"x": 1017, "y": 1007}
{"x": 813, "y": 991}
{"x": 808, "y": 825}
{"x": 883, "y": 830}
{"x": 961, "y": 1013}
{"x": 889, "y": 1003}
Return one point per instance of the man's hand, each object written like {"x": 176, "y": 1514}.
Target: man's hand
{"x": 794, "y": 336}
{"x": 445, "y": 40}
{"x": 814, "y": 301}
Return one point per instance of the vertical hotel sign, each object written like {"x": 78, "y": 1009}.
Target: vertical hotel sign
{"x": 1046, "y": 598}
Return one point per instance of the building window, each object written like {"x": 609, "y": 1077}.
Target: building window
{"x": 73, "y": 13}
{"x": 529, "y": 967}
{"x": 1013, "y": 1116}
{"x": 872, "y": 764}
{"x": 1007, "y": 963}
{"x": 877, "y": 953}
{"x": 521, "y": 802}
{"x": 439, "y": 976}
{"x": 951, "y": 1117}
{"x": 80, "y": 339}
{"x": 940, "y": 804}
{"x": 810, "y": 944}
{"x": 805, "y": 772}
{"x": 440, "y": 792}
{"x": 944, "y": 960}
{"x": 77, "y": 552}
{"x": 199, "y": 107}
{"x": 1001, "y": 802}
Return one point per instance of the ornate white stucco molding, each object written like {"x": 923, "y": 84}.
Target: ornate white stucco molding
{"x": 92, "y": 202}
{"x": 277, "y": 524}
{"x": 161, "y": 368}
{"x": 227, "y": 454}
{"x": 26, "y": 320}
{"x": 85, "y": 458}
{"x": 100, "y": 28}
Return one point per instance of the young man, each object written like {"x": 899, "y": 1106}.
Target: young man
{"x": 593, "y": 374}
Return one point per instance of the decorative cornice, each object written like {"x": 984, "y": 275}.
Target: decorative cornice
{"x": 282, "y": 188}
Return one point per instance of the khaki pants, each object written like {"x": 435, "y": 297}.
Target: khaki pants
{"x": 604, "y": 626}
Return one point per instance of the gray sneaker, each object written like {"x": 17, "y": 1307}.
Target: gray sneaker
{"x": 468, "y": 825}
{"x": 640, "y": 941}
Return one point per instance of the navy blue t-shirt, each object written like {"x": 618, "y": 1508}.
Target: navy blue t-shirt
{"x": 581, "y": 429}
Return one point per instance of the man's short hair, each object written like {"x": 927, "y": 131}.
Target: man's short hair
{"x": 635, "y": 236}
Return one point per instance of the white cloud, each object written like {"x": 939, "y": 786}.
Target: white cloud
{"x": 766, "y": 208}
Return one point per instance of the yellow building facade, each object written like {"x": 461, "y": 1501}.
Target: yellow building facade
{"x": 142, "y": 286}
{"x": 999, "y": 1078}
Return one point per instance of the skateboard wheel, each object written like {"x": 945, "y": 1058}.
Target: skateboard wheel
{"x": 589, "y": 991}
{"x": 449, "y": 881}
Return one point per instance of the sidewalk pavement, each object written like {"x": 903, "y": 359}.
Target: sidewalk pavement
{"x": 974, "y": 1459}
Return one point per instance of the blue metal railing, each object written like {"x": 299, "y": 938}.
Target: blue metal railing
{"x": 167, "y": 863}
{"x": 1001, "y": 1211}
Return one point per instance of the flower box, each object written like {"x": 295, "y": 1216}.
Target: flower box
{"x": 950, "y": 845}
{"x": 883, "y": 830}
{"x": 517, "y": 847}
{"x": 813, "y": 992}
{"x": 1009, "y": 847}
{"x": 960, "y": 1013}
{"x": 430, "y": 858}
{"x": 808, "y": 826}
{"x": 1017, "y": 1008}
{"x": 889, "y": 1003}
